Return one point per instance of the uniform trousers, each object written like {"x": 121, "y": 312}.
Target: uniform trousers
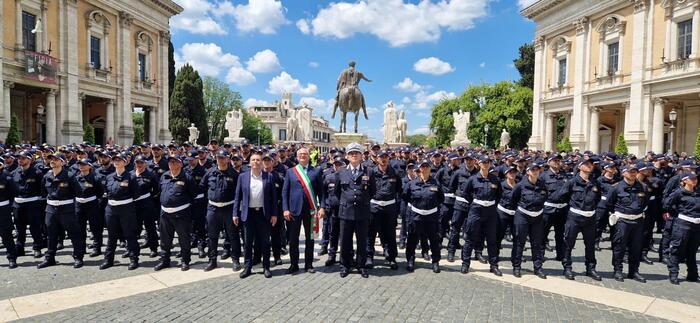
{"x": 61, "y": 219}
{"x": 666, "y": 234}
{"x": 628, "y": 237}
{"x": 333, "y": 230}
{"x": 383, "y": 222}
{"x": 90, "y": 213}
{"x": 359, "y": 229}
{"x": 121, "y": 224}
{"x": 199, "y": 220}
{"x": 6, "y": 232}
{"x": 459, "y": 217}
{"x": 576, "y": 223}
{"x": 218, "y": 219}
{"x": 481, "y": 222}
{"x": 180, "y": 222}
{"x": 417, "y": 229}
{"x": 30, "y": 214}
{"x": 446, "y": 210}
{"x": 145, "y": 218}
{"x": 685, "y": 241}
{"x": 555, "y": 218}
{"x": 532, "y": 227}
{"x": 505, "y": 220}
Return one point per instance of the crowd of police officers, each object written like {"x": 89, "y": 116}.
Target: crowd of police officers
{"x": 259, "y": 198}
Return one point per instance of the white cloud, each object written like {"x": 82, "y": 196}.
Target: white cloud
{"x": 209, "y": 59}
{"x": 425, "y": 100}
{"x": 482, "y": 65}
{"x": 371, "y": 110}
{"x": 240, "y": 76}
{"x": 252, "y": 102}
{"x": 525, "y": 3}
{"x": 314, "y": 64}
{"x": 407, "y": 85}
{"x": 196, "y": 17}
{"x": 264, "y": 16}
{"x": 397, "y": 22}
{"x": 265, "y": 61}
{"x": 314, "y": 103}
{"x": 433, "y": 65}
{"x": 424, "y": 130}
{"x": 286, "y": 83}
{"x": 303, "y": 26}
{"x": 406, "y": 100}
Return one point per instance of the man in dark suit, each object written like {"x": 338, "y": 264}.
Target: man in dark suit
{"x": 299, "y": 203}
{"x": 256, "y": 206}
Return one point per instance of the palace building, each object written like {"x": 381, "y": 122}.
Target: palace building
{"x": 68, "y": 63}
{"x": 616, "y": 67}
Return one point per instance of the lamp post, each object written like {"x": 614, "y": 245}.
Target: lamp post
{"x": 259, "y": 128}
{"x": 486, "y": 135}
{"x": 673, "y": 115}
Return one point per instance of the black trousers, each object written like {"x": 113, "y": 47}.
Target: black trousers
{"x": 358, "y": 229}
{"x": 505, "y": 221}
{"x": 169, "y": 225}
{"x": 278, "y": 236}
{"x": 6, "y": 232}
{"x": 60, "y": 219}
{"x": 90, "y": 213}
{"x": 417, "y": 229}
{"x": 257, "y": 231}
{"x": 218, "y": 219}
{"x": 666, "y": 234}
{"x": 199, "y": 234}
{"x": 628, "y": 237}
{"x": 685, "y": 241}
{"x": 481, "y": 222}
{"x": 121, "y": 224}
{"x": 458, "y": 219}
{"x": 30, "y": 214}
{"x": 601, "y": 218}
{"x": 333, "y": 230}
{"x": 446, "y": 211}
{"x": 576, "y": 223}
{"x": 294, "y": 227}
{"x": 555, "y": 218}
{"x": 653, "y": 210}
{"x": 532, "y": 227}
{"x": 145, "y": 218}
{"x": 383, "y": 222}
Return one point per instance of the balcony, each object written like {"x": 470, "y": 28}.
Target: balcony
{"x": 681, "y": 65}
{"x": 144, "y": 84}
{"x": 98, "y": 73}
{"x": 40, "y": 67}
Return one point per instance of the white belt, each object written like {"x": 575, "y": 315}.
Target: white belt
{"x": 59, "y": 202}
{"x": 145, "y": 196}
{"x": 174, "y": 209}
{"x": 484, "y": 203}
{"x": 604, "y": 198}
{"x": 461, "y": 199}
{"x": 651, "y": 198}
{"x": 21, "y": 200}
{"x": 423, "y": 212}
{"x": 506, "y": 211}
{"x": 220, "y": 204}
{"x": 587, "y": 214}
{"x": 199, "y": 196}
{"x": 85, "y": 199}
{"x": 628, "y": 216}
{"x": 383, "y": 203}
{"x": 5, "y": 202}
{"x": 555, "y": 205}
{"x": 452, "y": 195}
{"x": 119, "y": 202}
{"x": 689, "y": 219}
{"x": 530, "y": 213}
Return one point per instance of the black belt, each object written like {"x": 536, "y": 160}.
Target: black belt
{"x": 256, "y": 209}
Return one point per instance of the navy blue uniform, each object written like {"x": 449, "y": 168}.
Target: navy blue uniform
{"x": 602, "y": 214}
{"x": 528, "y": 201}
{"x": 384, "y": 207}
{"x": 458, "y": 183}
{"x": 443, "y": 177}
{"x": 554, "y": 211}
{"x": 60, "y": 191}
{"x": 685, "y": 238}
{"x": 482, "y": 193}
{"x": 628, "y": 203}
{"x": 220, "y": 187}
{"x": 177, "y": 193}
{"x": 120, "y": 214}
{"x": 653, "y": 212}
{"x": 199, "y": 206}
{"x": 28, "y": 207}
{"x": 354, "y": 189}
{"x": 331, "y": 223}
{"x": 147, "y": 186}
{"x": 423, "y": 199}
{"x": 505, "y": 213}
{"x": 278, "y": 235}
{"x": 7, "y": 194}
{"x": 87, "y": 208}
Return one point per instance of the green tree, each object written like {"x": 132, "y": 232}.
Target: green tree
{"x": 218, "y": 100}
{"x": 697, "y": 144}
{"x": 171, "y": 68}
{"x": 138, "y": 127}
{"x": 564, "y": 145}
{"x": 250, "y": 130}
{"x": 417, "y": 139}
{"x": 621, "y": 146}
{"x": 187, "y": 106}
{"x": 525, "y": 64}
{"x": 431, "y": 141}
{"x": 88, "y": 133}
{"x": 13, "y": 137}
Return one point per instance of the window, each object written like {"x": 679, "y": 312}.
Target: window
{"x": 142, "y": 67}
{"x": 95, "y": 52}
{"x": 283, "y": 134}
{"x": 685, "y": 39}
{"x": 613, "y": 57}
{"x": 28, "y": 24}
{"x": 562, "y": 72}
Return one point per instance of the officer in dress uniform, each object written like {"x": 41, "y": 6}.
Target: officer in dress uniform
{"x": 528, "y": 200}
{"x": 627, "y": 202}
{"x": 219, "y": 184}
{"x": 685, "y": 238}
{"x": 583, "y": 195}
{"x": 483, "y": 191}
{"x": 28, "y": 205}
{"x": 458, "y": 183}
{"x": 654, "y": 190}
{"x": 332, "y": 204}
{"x": 120, "y": 214}
{"x": 554, "y": 212}
{"x": 147, "y": 186}
{"x": 86, "y": 206}
{"x": 411, "y": 173}
{"x": 384, "y": 210}
{"x": 8, "y": 190}
{"x": 278, "y": 233}
{"x": 423, "y": 197}
{"x": 605, "y": 181}
{"x": 195, "y": 168}
{"x": 505, "y": 214}
{"x": 177, "y": 193}
{"x": 443, "y": 176}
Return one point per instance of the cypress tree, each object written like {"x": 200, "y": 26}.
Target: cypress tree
{"x": 89, "y": 133}
{"x": 697, "y": 144}
{"x": 187, "y": 105}
{"x": 621, "y": 146}
{"x": 13, "y": 137}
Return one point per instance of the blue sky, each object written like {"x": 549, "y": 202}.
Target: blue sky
{"x": 415, "y": 52}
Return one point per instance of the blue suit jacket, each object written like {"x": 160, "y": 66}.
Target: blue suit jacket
{"x": 293, "y": 196}
{"x": 240, "y": 204}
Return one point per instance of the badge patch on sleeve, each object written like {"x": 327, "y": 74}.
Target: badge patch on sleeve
{"x": 124, "y": 184}
{"x": 62, "y": 184}
{"x": 180, "y": 183}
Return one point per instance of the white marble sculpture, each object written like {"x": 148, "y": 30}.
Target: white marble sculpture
{"x": 304, "y": 117}
{"x": 505, "y": 139}
{"x": 292, "y": 125}
{"x": 194, "y": 133}
{"x": 234, "y": 124}
{"x": 461, "y": 124}
{"x": 402, "y": 125}
{"x": 390, "y": 125}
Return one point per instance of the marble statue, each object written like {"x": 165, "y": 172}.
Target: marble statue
{"x": 402, "y": 126}
{"x": 505, "y": 139}
{"x": 234, "y": 123}
{"x": 390, "y": 125}
{"x": 194, "y": 133}
{"x": 349, "y": 98}
{"x": 292, "y": 125}
{"x": 461, "y": 124}
{"x": 305, "y": 128}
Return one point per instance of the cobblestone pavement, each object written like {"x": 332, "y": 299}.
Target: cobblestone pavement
{"x": 386, "y": 296}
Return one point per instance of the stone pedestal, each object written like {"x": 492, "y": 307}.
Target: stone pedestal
{"x": 464, "y": 143}
{"x": 396, "y": 144}
{"x": 233, "y": 141}
{"x": 343, "y": 139}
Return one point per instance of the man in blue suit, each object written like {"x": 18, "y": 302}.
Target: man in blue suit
{"x": 299, "y": 201}
{"x": 256, "y": 206}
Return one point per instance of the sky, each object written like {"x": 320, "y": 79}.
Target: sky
{"x": 415, "y": 52}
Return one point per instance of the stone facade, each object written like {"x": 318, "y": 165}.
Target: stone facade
{"x": 611, "y": 67}
{"x": 309, "y": 128}
{"x": 87, "y": 61}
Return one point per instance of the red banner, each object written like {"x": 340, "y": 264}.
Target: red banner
{"x": 41, "y": 67}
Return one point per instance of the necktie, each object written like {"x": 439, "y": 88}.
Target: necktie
{"x": 354, "y": 174}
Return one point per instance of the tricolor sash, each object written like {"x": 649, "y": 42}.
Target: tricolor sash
{"x": 303, "y": 178}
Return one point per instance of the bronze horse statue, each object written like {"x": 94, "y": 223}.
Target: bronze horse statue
{"x": 349, "y": 97}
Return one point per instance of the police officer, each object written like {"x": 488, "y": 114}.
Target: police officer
{"x": 672, "y": 185}
{"x": 120, "y": 215}
{"x": 653, "y": 211}
{"x": 103, "y": 169}
{"x": 147, "y": 186}
{"x": 528, "y": 200}
{"x": 443, "y": 176}
{"x": 483, "y": 191}
{"x": 627, "y": 202}
{"x": 605, "y": 183}
{"x": 7, "y": 192}
{"x": 219, "y": 184}
{"x": 583, "y": 195}
{"x": 423, "y": 197}
{"x": 177, "y": 193}
{"x": 458, "y": 183}
{"x": 60, "y": 190}
{"x": 332, "y": 205}
{"x": 28, "y": 208}
{"x": 196, "y": 161}
{"x": 411, "y": 173}
{"x": 384, "y": 210}
{"x": 505, "y": 213}
{"x": 86, "y": 206}
{"x": 554, "y": 212}
{"x": 278, "y": 232}
{"x": 685, "y": 237}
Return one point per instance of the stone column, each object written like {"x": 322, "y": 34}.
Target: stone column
{"x": 535, "y": 141}
{"x": 110, "y": 122}
{"x": 18, "y": 25}
{"x": 51, "y": 117}
{"x": 72, "y": 109}
{"x": 163, "y": 110}
{"x": 657, "y": 131}
{"x": 549, "y": 131}
{"x": 125, "y": 133}
{"x": 576, "y": 132}
{"x": 595, "y": 129}
{"x": 636, "y": 135}
{"x": 6, "y": 105}
{"x": 152, "y": 121}
{"x": 43, "y": 43}
{"x": 696, "y": 32}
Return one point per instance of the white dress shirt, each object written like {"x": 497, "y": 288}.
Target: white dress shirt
{"x": 256, "y": 191}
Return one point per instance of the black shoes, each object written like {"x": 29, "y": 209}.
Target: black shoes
{"x": 106, "y": 264}
{"x": 568, "y": 274}
{"x": 636, "y": 276}
{"x": 517, "y": 273}
{"x": 597, "y": 246}
{"x": 236, "y": 265}
{"x": 548, "y": 247}
{"x": 184, "y": 266}
{"x": 48, "y": 262}
{"x": 540, "y": 273}
{"x": 37, "y": 254}
{"x": 95, "y": 253}
{"x": 153, "y": 254}
{"x": 12, "y": 264}
{"x": 450, "y": 257}
{"x": 392, "y": 265}
{"x": 225, "y": 255}
{"x": 674, "y": 280}
{"x": 267, "y": 273}
{"x": 496, "y": 271}
{"x": 330, "y": 261}
{"x": 344, "y": 273}
{"x": 426, "y": 256}
{"x": 593, "y": 274}
{"x": 364, "y": 272}
{"x": 292, "y": 269}
{"x": 277, "y": 262}
{"x": 480, "y": 258}
{"x": 436, "y": 268}
{"x": 245, "y": 273}
{"x": 78, "y": 263}
{"x": 162, "y": 265}
{"x": 619, "y": 276}
{"x": 323, "y": 251}
{"x": 133, "y": 264}
{"x": 410, "y": 266}
{"x": 646, "y": 260}
{"x": 211, "y": 266}
{"x": 369, "y": 263}
{"x": 465, "y": 269}
{"x": 201, "y": 252}
{"x": 309, "y": 270}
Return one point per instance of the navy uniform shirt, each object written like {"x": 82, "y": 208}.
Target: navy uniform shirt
{"x": 329, "y": 183}
{"x": 354, "y": 194}
{"x": 506, "y": 200}
{"x": 606, "y": 185}
{"x": 423, "y": 195}
{"x": 159, "y": 167}
{"x": 176, "y": 191}
{"x": 458, "y": 183}
{"x": 8, "y": 189}
{"x": 529, "y": 196}
{"x": 197, "y": 173}
{"x": 88, "y": 185}
{"x": 60, "y": 187}
{"x": 553, "y": 182}
{"x": 147, "y": 183}
{"x": 683, "y": 202}
{"x": 28, "y": 181}
{"x": 121, "y": 187}
{"x": 443, "y": 177}
{"x": 388, "y": 184}
{"x": 482, "y": 188}
{"x": 219, "y": 185}
{"x": 579, "y": 193}
{"x": 628, "y": 199}
{"x": 399, "y": 166}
